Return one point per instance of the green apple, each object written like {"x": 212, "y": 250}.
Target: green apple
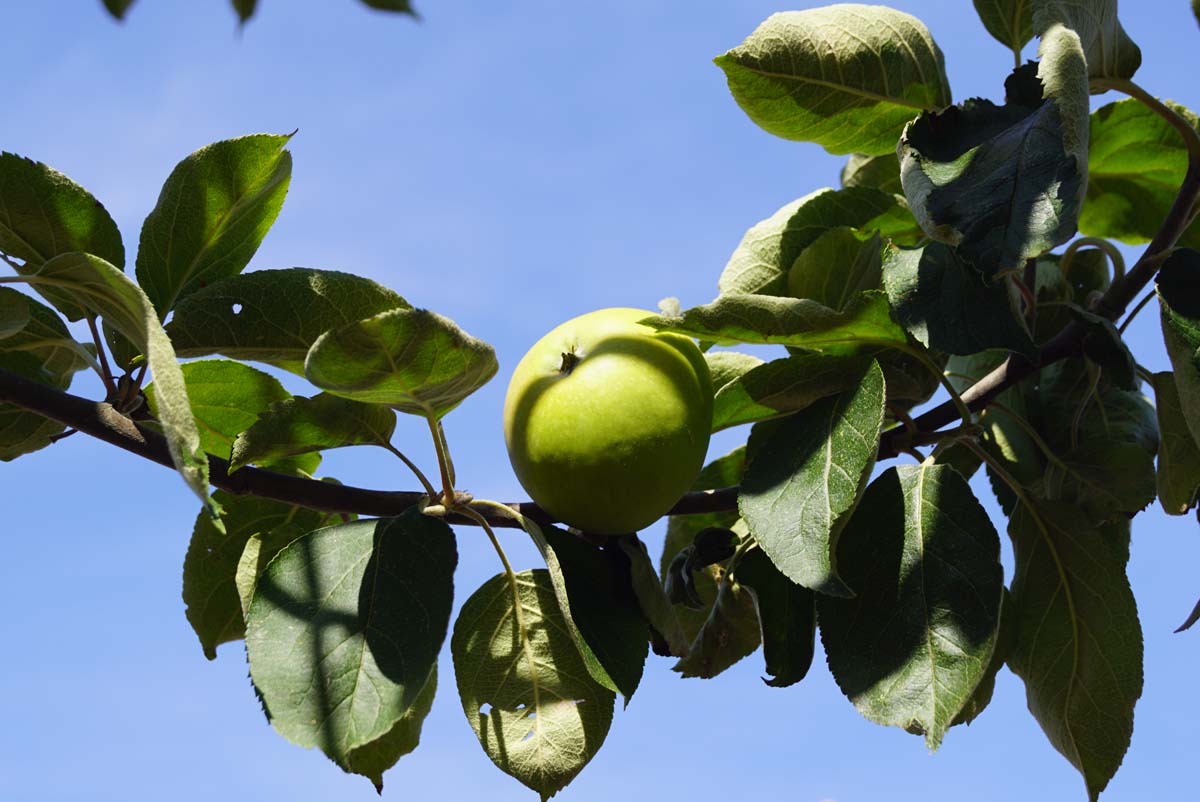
{"x": 607, "y": 421}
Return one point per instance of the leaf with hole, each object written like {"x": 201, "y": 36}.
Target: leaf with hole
{"x": 845, "y": 76}
{"x": 345, "y": 627}
{"x": 535, "y": 709}
{"x": 213, "y": 212}
{"x": 804, "y": 478}
{"x": 911, "y": 647}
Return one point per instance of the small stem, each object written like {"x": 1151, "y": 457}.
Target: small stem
{"x": 443, "y": 458}
{"x": 140, "y": 376}
{"x": 424, "y": 480}
{"x": 109, "y": 383}
{"x": 1115, "y": 258}
{"x": 1129, "y": 318}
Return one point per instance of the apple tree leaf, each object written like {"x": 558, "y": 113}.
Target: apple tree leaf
{"x": 390, "y": 5}
{"x": 652, "y": 598}
{"x": 787, "y": 616}
{"x": 345, "y": 626}
{"x": 762, "y": 260}
{"x": 525, "y": 690}
{"x": 413, "y": 360}
{"x": 1191, "y": 620}
{"x": 999, "y": 182}
{"x": 14, "y": 312}
{"x": 93, "y": 286}
{"x": 725, "y": 367}
{"x": 297, "y": 426}
{"x": 847, "y": 77}
{"x": 836, "y": 267}
{"x": 213, "y": 212}
{"x": 373, "y": 759}
{"x": 1005, "y": 638}
{"x": 1102, "y": 344}
{"x": 949, "y": 306}
{"x": 1010, "y": 22}
{"x": 1178, "y": 477}
{"x": 1104, "y": 480}
{"x": 911, "y": 647}
{"x": 865, "y": 325}
{"x": 214, "y": 606}
{"x": 118, "y": 7}
{"x": 783, "y": 386}
{"x": 804, "y": 478}
{"x": 1079, "y": 641}
{"x": 1109, "y": 51}
{"x": 729, "y": 634}
{"x": 1179, "y": 299}
{"x": 245, "y": 9}
{"x": 1136, "y": 164}
{"x": 44, "y": 214}
{"x": 274, "y": 316}
{"x": 880, "y": 172}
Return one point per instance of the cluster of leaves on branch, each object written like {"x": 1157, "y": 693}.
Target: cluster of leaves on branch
{"x": 245, "y": 8}
{"x": 931, "y": 267}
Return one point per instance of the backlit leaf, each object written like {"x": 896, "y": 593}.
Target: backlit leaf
{"x": 911, "y": 647}
{"x": 1010, "y": 22}
{"x": 783, "y": 386}
{"x": 837, "y": 267}
{"x": 880, "y": 172}
{"x": 373, "y": 759}
{"x": 1178, "y": 478}
{"x": 805, "y": 476}
{"x": 1109, "y": 50}
{"x": 846, "y": 76}
{"x": 536, "y": 711}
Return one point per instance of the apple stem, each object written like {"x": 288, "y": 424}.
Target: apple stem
{"x": 569, "y": 360}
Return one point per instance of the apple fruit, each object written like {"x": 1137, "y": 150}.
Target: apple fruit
{"x": 607, "y": 421}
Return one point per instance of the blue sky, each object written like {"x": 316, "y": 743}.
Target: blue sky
{"x": 509, "y": 169}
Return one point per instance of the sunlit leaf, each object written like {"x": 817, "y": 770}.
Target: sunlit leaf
{"x": 1109, "y": 50}
{"x": 297, "y": 426}
{"x": 880, "y": 172}
{"x": 837, "y": 267}
{"x": 783, "y": 386}
{"x": 845, "y": 76}
{"x": 1010, "y": 22}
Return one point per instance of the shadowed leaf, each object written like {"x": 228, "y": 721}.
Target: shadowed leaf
{"x": 787, "y": 616}
{"x": 1178, "y": 478}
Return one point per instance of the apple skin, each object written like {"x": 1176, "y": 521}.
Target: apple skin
{"x": 611, "y": 443}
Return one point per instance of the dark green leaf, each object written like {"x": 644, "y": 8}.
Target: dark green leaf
{"x": 806, "y": 473}
{"x": 1001, "y": 183}
{"x": 1136, "y": 164}
{"x": 373, "y": 759}
{"x": 297, "y": 426}
{"x": 1192, "y": 618}
{"x": 524, "y": 688}
{"x": 1109, "y": 50}
{"x": 390, "y": 5}
{"x": 1103, "y": 480}
{"x": 1179, "y": 299}
{"x": 594, "y": 588}
{"x": 651, "y": 598}
{"x": 23, "y": 432}
{"x": 730, "y": 633}
{"x": 118, "y": 7}
{"x": 1079, "y": 642}
{"x": 1010, "y": 22}
{"x": 880, "y": 172}
{"x": 783, "y": 386}
{"x": 214, "y": 606}
{"x": 837, "y": 267}
{"x": 44, "y": 214}
{"x": 214, "y": 210}
{"x": 274, "y": 316}
{"x": 345, "y": 626}
{"x": 865, "y": 325}
{"x": 845, "y": 76}
{"x": 1103, "y": 345}
{"x": 1178, "y": 479}
{"x": 787, "y": 615}
{"x": 44, "y": 336}
{"x": 244, "y": 9}
{"x": 761, "y": 262}
{"x": 711, "y": 546}
{"x": 413, "y": 360}
{"x": 1005, "y": 638}
{"x": 948, "y": 306}
{"x": 1073, "y": 413}
{"x": 14, "y": 312}
{"x": 911, "y": 647}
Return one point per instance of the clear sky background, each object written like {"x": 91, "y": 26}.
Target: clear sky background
{"x": 509, "y": 168}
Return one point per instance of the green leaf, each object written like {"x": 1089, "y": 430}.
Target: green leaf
{"x": 837, "y": 267}
{"x": 214, "y": 210}
{"x": 23, "y": 432}
{"x": 390, "y": 5}
{"x": 345, "y": 627}
{"x": 413, "y": 360}
{"x": 373, "y": 759}
{"x": 226, "y": 398}
{"x": 1190, "y": 621}
{"x": 214, "y": 606}
{"x": 1136, "y": 164}
{"x": 1079, "y": 642}
{"x": 783, "y": 386}
{"x": 998, "y": 182}
{"x": 44, "y": 214}
{"x": 297, "y": 426}
{"x": 948, "y": 306}
{"x": 1010, "y": 22}
{"x": 118, "y": 7}
{"x": 726, "y": 367}
{"x": 1005, "y": 638}
{"x": 787, "y": 615}
{"x": 44, "y": 336}
{"x": 724, "y": 471}
{"x": 93, "y": 286}
{"x": 1103, "y": 480}
{"x": 651, "y": 597}
{"x": 761, "y": 261}
{"x": 847, "y": 77}
{"x": 14, "y": 312}
{"x": 880, "y": 172}
{"x": 1109, "y": 50}
{"x": 710, "y": 547}
{"x": 911, "y": 647}
{"x": 1102, "y": 344}
{"x": 274, "y": 316}
{"x": 1179, "y": 299}
{"x": 805, "y": 476}
{"x": 245, "y": 10}
{"x": 594, "y": 588}
{"x": 1178, "y": 479}
{"x": 729, "y": 633}
{"x": 524, "y": 688}
{"x": 865, "y": 325}
{"x": 1075, "y": 414}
